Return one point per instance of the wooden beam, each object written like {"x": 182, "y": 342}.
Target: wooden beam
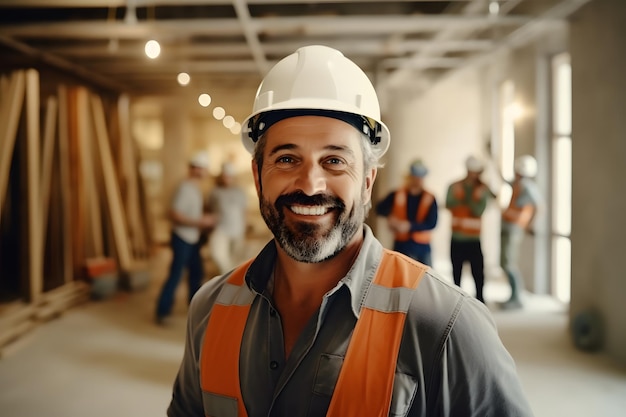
{"x": 64, "y": 171}
{"x": 10, "y": 110}
{"x": 47, "y": 158}
{"x": 130, "y": 170}
{"x": 114, "y": 199}
{"x": 35, "y": 246}
{"x": 87, "y": 161}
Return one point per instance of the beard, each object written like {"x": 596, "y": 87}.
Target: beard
{"x": 312, "y": 242}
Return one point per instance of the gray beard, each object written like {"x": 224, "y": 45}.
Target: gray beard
{"x": 307, "y": 242}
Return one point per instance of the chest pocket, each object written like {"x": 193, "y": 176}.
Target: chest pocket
{"x": 403, "y": 395}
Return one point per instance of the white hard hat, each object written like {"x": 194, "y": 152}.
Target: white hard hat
{"x": 317, "y": 80}
{"x": 418, "y": 169}
{"x": 474, "y": 164}
{"x": 200, "y": 160}
{"x": 526, "y": 166}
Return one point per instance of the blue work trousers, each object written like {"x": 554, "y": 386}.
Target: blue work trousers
{"x": 184, "y": 256}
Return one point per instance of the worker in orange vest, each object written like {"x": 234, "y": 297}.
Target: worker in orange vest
{"x": 467, "y": 199}
{"x": 324, "y": 321}
{"x": 516, "y": 220}
{"x": 411, "y": 214}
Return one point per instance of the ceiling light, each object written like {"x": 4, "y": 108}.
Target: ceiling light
{"x": 153, "y": 49}
{"x": 183, "y": 78}
{"x": 204, "y": 99}
{"x": 219, "y": 113}
{"x": 228, "y": 122}
{"x": 494, "y": 8}
{"x": 236, "y": 128}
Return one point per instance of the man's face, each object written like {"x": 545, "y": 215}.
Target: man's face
{"x": 415, "y": 183}
{"x": 312, "y": 188}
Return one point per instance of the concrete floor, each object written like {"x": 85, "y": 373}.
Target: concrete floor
{"x": 106, "y": 358}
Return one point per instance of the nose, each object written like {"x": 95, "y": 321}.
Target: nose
{"x": 311, "y": 178}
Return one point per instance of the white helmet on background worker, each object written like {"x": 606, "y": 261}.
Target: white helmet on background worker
{"x": 418, "y": 169}
{"x": 526, "y": 166}
{"x": 474, "y": 164}
{"x": 317, "y": 80}
{"x": 200, "y": 159}
{"x": 228, "y": 169}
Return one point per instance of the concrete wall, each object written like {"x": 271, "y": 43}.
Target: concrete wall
{"x": 599, "y": 155}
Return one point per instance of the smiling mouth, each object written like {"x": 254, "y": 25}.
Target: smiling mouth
{"x": 309, "y": 210}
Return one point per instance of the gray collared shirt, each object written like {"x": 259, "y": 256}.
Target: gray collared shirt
{"x": 451, "y": 360}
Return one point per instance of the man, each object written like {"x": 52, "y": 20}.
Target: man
{"x": 188, "y": 221}
{"x": 411, "y": 214}
{"x": 324, "y": 321}
{"x": 467, "y": 199}
{"x": 517, "y": 219}
{"x": 228, "y": 202}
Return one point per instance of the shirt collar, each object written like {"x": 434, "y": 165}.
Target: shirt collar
{"x": 357, "y": 280}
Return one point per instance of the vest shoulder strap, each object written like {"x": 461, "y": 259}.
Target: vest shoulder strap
{"x": 365, "y": 383}
{"x": 219, "y": 361}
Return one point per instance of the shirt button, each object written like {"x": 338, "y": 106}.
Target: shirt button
{"x": 273, "y": 365}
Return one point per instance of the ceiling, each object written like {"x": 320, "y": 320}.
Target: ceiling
{"x": 233, "y": 43}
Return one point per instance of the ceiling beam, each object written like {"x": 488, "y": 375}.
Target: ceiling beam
{"x": 294, "y": 25}
{"x": 372, "y": 47}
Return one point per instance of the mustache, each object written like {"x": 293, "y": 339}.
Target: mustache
{"x": 298, "y": 197}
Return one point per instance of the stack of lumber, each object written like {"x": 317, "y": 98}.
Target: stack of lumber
{"x": 70, "y": 196}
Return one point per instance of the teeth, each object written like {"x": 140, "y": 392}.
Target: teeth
{"x": 309, "y": 210}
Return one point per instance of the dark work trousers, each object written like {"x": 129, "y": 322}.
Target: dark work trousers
{"x": 462, "y": 251}
{"x": 184, "y": 256}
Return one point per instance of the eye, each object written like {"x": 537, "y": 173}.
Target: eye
{"x": 285, "y": 159}
{"x": 334, "y": 163}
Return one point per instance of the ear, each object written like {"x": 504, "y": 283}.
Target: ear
{"x": 369, "y": 179}
{"x": 257, "y": 179}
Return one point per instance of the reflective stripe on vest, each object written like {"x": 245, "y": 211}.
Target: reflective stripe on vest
{"x": 365, "y": 383}
{"x": 463, "y": 221}
{"x": 399, "y": 211}
{"x": 518, "y": 215}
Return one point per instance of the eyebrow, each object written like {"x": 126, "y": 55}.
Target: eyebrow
{"x": 290, "y": 146}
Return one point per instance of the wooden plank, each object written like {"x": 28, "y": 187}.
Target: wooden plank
{"x": 47, "y": 158}
{"x": 116, "y": 212}
{"x": 88, "y": 160}
{"x": 14, "y": 313}
{"x": 35, "y": 246}
{"x": 77, "y": 184}
{"x": 129, "y": 170}
{"x": 64, "y": 174}
{"x": 10, "y": 111}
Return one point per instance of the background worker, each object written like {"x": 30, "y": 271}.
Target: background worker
{"x": 188, "y": 221}
{"x": 411, "y": 214}
{"x": 516, "y": 220}
{"x": 467, "y": 199}
{"x": 324, "y": 321}
{"x": 227, "y": 201}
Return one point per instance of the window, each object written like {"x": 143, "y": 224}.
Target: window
{"x": 561, "y": 176}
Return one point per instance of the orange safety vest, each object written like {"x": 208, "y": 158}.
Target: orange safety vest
{"x": 365, "y": 383}
{"x": 399, "y": 211}
{"x": 518, "y": 215}
{"x": 463, "y": 220}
